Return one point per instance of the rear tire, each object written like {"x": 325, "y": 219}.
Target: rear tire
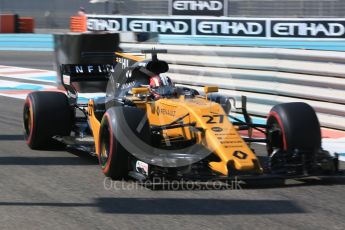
{"x": 114, "y": 157}
{"x": 293, "y": 126}
{"x": 46, "y": 114}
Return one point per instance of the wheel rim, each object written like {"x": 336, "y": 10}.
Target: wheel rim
{"x": 27, "y": 121}
{"x": 274, "y": 136}
{"x": 105, "y": 147}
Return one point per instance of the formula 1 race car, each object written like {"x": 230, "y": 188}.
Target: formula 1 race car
{"x": 146, "y": 126}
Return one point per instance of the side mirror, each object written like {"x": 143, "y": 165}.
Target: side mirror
{"x": 211, "y": 89}
{"x": 141, "y": 90}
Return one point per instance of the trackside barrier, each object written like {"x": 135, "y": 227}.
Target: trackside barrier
{"x": 12, "y": 23}
{"x": 8, "y": 23}
{"x": 26, "y": 24}
{"x": 267, "y": 76}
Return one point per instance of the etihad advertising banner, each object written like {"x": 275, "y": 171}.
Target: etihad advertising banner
{"x": 198, "y": 7}
{"x": 231, "y": 27}
{"x": 160, "y": 25}
{"x": 307, "y": 28}
{"x": 223, "y": 26}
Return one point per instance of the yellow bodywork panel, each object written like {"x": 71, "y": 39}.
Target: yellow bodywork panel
{"x": 142, "y": 90}
{"x": 128, "y": 56}
{"x": 211, "y": 89}
{"x": 220, "y": 136}
{"x": 94, "y": 123}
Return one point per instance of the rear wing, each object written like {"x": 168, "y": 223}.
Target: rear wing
{"x": 71, "y": 73}
{"x": 81, "y": 77}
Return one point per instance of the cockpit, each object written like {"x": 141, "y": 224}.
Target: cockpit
{"x": 151, "y": 74}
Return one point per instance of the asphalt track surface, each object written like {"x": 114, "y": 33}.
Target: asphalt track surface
{"x": 66, "y": 189}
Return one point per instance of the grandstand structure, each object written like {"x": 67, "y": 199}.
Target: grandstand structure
{"x": 56, "y": 13}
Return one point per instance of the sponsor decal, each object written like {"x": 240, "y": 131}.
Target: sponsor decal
{"x": 225, "y": 134}
{"x": 229, "y": 27}
{"x": 233, "y": 146}
{"x": 129, "y": 74}
{"x": 66, "y": 79}
{"x": 198, "y": 7}
{"x": 225, "y": 26}
{"x": 161, "y": 26}
{"x": 214, "y": 119}
{"x": 123, "y": 61}
{"x": 126, "y": 85}
{"x": 92, "y": 69}
{"x": 216, "y": 129}
{"x": 308, "y": 29}
{"x": 165, "y": 112}
{"x": 72, "y": 95}
{"x": 142, "y": 167}
{"x": 240, "y": 155}
{"x": 231, "y": 142}
{"x": 104, "y": 23}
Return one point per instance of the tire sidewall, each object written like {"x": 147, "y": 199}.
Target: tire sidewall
{"x": 28, "y": 109}
{"x": 50, "y": 115}
{"x": 300, "y": 128}
{"x": 106, "y": 123}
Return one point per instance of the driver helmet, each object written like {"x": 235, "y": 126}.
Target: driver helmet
{"x": 161, "y": 86}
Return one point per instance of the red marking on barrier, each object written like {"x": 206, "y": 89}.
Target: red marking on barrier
{"x": 22, "y": 72}
{"x": 331, "y": 133}
{"x": 25, "y": 91}
{"x": 16, "y": 91}
{"x": 326, "y": 133}
{"x": 256, "y": 134}
{"x": 54, "y": 90}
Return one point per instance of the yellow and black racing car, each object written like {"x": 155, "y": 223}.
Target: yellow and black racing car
{"x": 145, "y": 126}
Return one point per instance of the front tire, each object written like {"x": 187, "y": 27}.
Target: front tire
{"x": 293, "y": 126}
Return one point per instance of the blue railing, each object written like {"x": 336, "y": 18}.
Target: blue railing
{"x": 26, "y": 42}
{"x": 44, "y": 42}
{"x": 313, "y": 44}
